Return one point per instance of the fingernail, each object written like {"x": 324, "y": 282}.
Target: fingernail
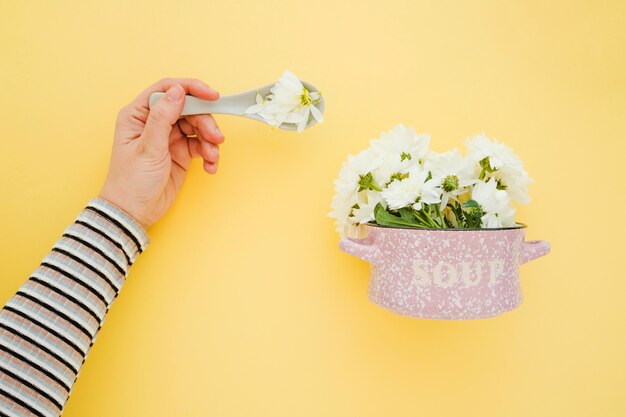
{"x": 175, "y": 93}
{"x": 211, "y": 168}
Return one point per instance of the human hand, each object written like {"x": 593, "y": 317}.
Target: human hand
{"x": 151, "y": 150}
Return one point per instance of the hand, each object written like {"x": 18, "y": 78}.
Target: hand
{"x": 151, "y": 150}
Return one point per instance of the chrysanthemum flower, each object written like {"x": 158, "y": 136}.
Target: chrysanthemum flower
{"x": 289, "y": 102}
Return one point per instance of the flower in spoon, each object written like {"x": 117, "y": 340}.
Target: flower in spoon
{"x": 288, "y": 102}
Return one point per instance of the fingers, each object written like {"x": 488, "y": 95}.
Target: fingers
{"x": 210, "y": 168}
{"x": 206, "y": 126}
{"x": 184, "y": 149}
{"x": 186, "y": 128}
{"x": 205, "y": 146}
{"x": 207, "y": 151}
{"x": 165, "y": 113}
{"x": 179, "y": 148}
{"x": 191, "y": 86}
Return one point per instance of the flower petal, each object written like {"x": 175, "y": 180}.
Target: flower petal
{"x": 302, "y": 124}
{"x": 317, "y": 114}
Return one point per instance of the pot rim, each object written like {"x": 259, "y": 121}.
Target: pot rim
{"x": 451, "y": 229}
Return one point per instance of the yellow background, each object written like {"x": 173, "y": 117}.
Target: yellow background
{"x": 243, "y": 305}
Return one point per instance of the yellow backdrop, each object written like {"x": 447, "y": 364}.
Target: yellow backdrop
{"x": 243, "y": 305}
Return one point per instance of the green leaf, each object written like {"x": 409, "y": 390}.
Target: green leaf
{"x": 471, "y": 204}
{"x": 472, "y": 213}
{"x": 403, "y": 218}
{"x": 406, "y": 214}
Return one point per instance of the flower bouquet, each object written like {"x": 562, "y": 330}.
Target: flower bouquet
{"x": 439, "y": 228}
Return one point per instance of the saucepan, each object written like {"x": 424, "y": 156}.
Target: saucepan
{"x": 449, "y": 274}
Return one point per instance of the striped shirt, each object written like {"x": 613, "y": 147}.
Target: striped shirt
{"x": 49, "y": 325}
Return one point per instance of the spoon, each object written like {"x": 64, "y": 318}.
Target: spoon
{"x": 236, "y": 104}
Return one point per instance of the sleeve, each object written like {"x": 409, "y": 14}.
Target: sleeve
{"x": 49, "y": 325}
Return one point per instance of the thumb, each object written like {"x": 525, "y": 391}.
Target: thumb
{"x": 162, "y": 116}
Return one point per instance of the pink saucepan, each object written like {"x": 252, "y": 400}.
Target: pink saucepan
{"x": 450, "y": 274}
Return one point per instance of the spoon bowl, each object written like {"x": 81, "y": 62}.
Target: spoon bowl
{"x": 236, "y": 104}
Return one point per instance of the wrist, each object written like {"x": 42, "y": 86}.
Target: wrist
{"x": 125, "y": 209}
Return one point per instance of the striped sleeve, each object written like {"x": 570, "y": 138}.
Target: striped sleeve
{"x": 49, "y": 325}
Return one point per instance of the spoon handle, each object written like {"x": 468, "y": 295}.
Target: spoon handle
{"x": 231, "y": 104}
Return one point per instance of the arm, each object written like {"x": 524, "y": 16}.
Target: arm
{"x": 49, "y": 325}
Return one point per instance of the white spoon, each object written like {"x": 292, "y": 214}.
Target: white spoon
{"x": 236, "y": 104}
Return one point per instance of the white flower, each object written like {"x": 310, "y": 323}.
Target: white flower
{"x": 289, "y": 102}
{"x": 342, "y": 206}
{"x": 367, "y": 201}
{"x": 495, "y": 204}
{"x": 500, "y": 162}
{"x": 404, "y": 142}
{"x": 354, "y": 180}
{"x": 307, "y": 109}
{"x": 400, "y": 149}
{"x": 453, "y": 172}
{"x": 391, "y": 167}
{"x": 413, "y": 191}
{"x": 481, "y": 147}
{"x": 260, "y": 105}
{"x": 356, "y": 173}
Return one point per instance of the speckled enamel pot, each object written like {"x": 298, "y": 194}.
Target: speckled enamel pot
{"x": 450, "y": 274}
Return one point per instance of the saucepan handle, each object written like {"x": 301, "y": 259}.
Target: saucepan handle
{"x": 533, "y": 249}
{"x": 361, "y": 248}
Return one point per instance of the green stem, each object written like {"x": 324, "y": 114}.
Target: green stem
{"x": 436, "y": 216}
{"x": 430, "y": 220}
{"x": 440, "y": 214}
{"x": 460, "y": 217}
{"x": 419, "y": 216}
